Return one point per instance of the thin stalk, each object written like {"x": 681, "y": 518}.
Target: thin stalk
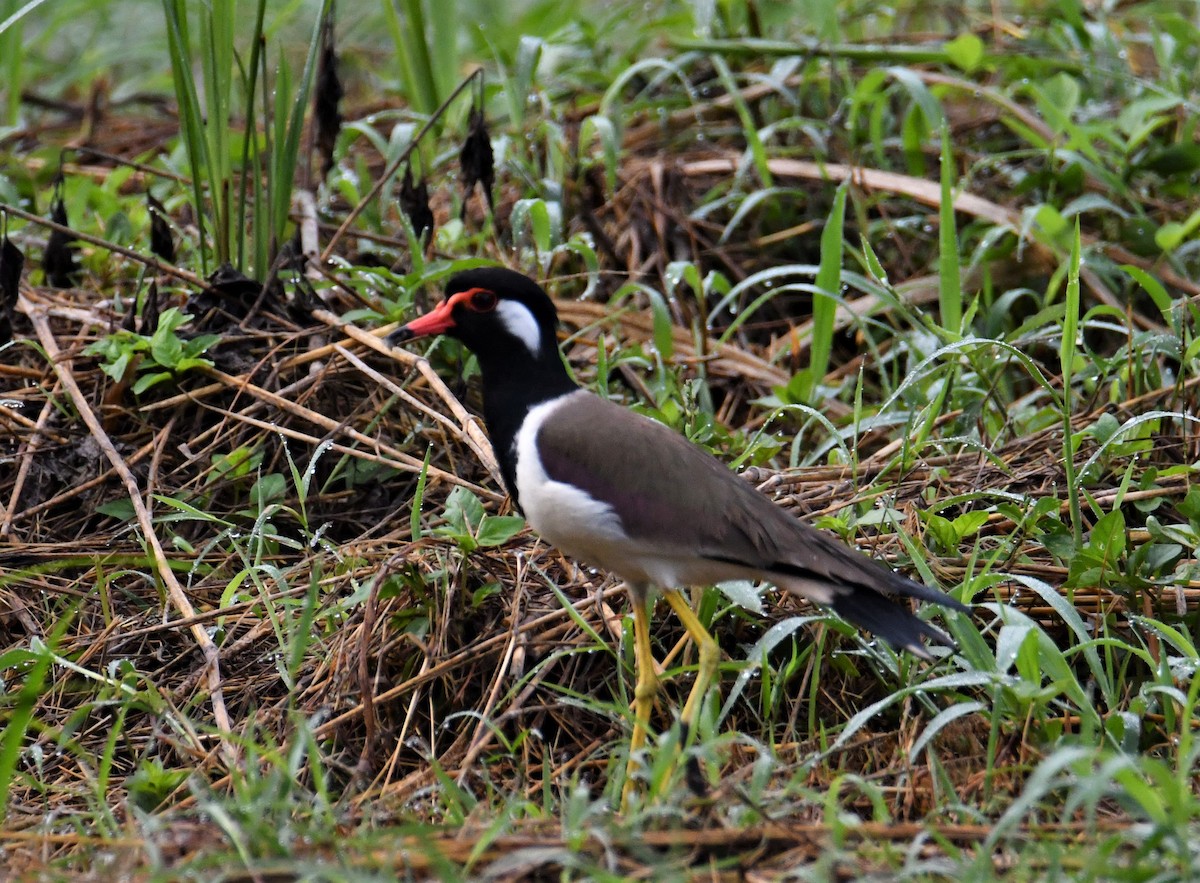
{"x": 1066, "y": 358}
{"x": 745, "y": 47}
{"x": 749, "y": 129}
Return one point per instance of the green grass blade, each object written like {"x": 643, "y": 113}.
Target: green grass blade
{"x": 11, "y": 13}
{"x": 250, "y": 157}
{"x": 191, "y": 117}
{"x": 444, "y": 25}
{"x": 289, "y": 128}
{"x": 825, "y": 299}
{"x": 35, "y": 666}
{"x": 416, "y": 63}
{"x": 217, "y": 63}
{"x": 949, "y": 277}
{"x": 414, "y": 519}
{"x": 1066, "y": 357}
{"x": 749, "y": 128}
{"x": 19, "y": 714}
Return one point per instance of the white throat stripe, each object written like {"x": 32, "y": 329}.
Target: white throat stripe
{"x": 519, "y": 322}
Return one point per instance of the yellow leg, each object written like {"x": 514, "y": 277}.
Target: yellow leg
{"x": 645, "y": 690}
{"x": 707, "y": 651}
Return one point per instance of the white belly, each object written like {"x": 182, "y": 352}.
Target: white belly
{"x": 564, "y": 515}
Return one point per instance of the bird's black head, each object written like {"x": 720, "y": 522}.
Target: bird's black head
{"x": 497, "y": 313}
{"x": 509, "y": 322}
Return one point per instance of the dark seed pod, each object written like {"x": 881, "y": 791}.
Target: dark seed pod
{"x": 162, "y": 243}
{"x": 328, "y": 95}
{"x": 477, "y": 161}
{"x": 414, "y": 201}
{"x": 59, "y": 258}
{"x": 150, "y": 310}
{"x": 11, "y": 262}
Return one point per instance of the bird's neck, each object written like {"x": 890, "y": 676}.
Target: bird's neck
{"x": 510, "y": 389}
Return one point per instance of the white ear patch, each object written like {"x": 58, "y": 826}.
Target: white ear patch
{"x": 519, "y": 322}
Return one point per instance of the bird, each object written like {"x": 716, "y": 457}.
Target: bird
{"x": 627, "y": 494}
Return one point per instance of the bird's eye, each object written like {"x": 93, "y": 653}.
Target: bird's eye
{"x": 483, "y": 301}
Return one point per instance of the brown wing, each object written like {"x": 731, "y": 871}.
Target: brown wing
{"x": 685, "y": 502}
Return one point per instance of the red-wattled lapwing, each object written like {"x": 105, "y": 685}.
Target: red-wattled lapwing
{"x": 622, "y": 492}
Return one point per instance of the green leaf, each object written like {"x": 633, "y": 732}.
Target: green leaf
{"x": 1050, "y": 220}
{"x": 599, "y": 126}
{"x": 1108, "y": 537}
{"x": 148, "y": 380}
{"x": 20, "y": 705}
{"x": 496, "y": 530}
{"x": 236, "y": 464}
{"x": 1059, "y": 543}
{"x": 270, "y": 488}
{"x": 969, "y": 523}
{"x": 188, "y": 509}
{"x": 1173, "y": 234}
{"x": 537, "y": 214}
{"x": 487, "y": 590}
{"x": 463, "y": 512}
{"x": 1176, "y": 159}
{"x": 1105, "y": 427}
{"x": 825, "y": 301}
{"x": 1060, "y": 99}
{"x": 942, "y": 532}
{"x": 152, "y": 784}
{"x": 1169, "y": 236}
{"x": 414, "y": 518}
{"x": 1156, "y": 557}
{"x": 229, "y": 595}
{"x": 166, "y": 348}
{"x": 171, "y": 320}
{"x": 1068, "y": 350}
{"x": 1189, "y": 507}
{"x": 743, "y": 593}
{"x": 930, "y": 107}
{"x": 664, "y": 339}
{"x": 965, "y": 52}
{"x": 198, "y": 345}
{"x": 1154, "y": 288}
{"x": 120, "y": 509}
{"x": 116, "y": 369}
{"x": 874, "y": 265}
{"x": 949, "y": 268}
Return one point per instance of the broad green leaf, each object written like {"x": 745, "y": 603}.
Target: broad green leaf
{"x": 965, "y": 51}
{"x": 463, "y": 512}
{"x": 120, "y": 509}
{"x": 743, "y": 593}
{"x": 496, "y": 530}
{"x": 148, "y": 380}
{"x": 1108, "y": 538}
{"x": 969, "y": 523}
